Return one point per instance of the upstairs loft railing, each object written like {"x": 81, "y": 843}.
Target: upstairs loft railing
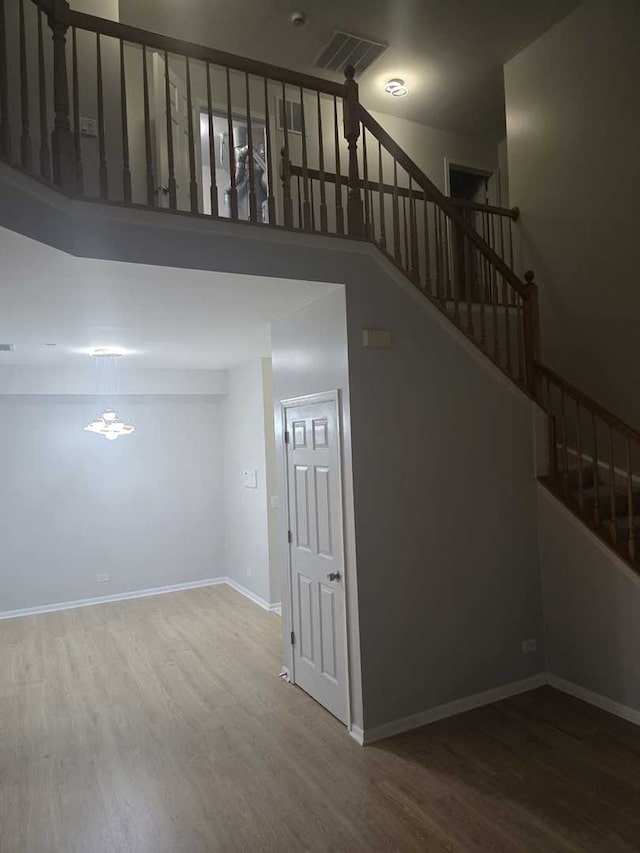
{"x": 107, "y": 111}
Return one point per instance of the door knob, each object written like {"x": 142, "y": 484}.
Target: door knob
{"x": 334, "y": 576}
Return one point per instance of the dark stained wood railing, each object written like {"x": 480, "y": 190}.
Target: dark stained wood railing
{"x": 594, "y": 462}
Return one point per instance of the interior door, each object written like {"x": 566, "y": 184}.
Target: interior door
{"x": 179, "y": 134}
{"x": 316, "y": 552}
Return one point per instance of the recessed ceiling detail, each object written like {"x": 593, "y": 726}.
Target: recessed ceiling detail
{"x": 346, "y": 49}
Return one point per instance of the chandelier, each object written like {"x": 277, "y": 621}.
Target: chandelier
{"x": 109, "y": 425}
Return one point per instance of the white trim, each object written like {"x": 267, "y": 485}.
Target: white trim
{"x": 597, "y": 699}
{"x": 449, "y": 709}
{"x": 261, "y": 602}
{"x": 141, "y": 593}
{"x": 357, "y": 734}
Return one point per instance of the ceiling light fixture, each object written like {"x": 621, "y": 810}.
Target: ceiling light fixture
{"x": 396, "y": 87}
{"x": 108, "y": 423}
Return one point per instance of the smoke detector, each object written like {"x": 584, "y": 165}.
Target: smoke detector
{"x": 298, "y": 19}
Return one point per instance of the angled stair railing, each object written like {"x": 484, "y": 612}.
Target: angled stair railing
{"x": 100, "y": 110}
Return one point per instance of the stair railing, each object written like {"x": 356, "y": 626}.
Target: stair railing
{"x": 594, "y": 462}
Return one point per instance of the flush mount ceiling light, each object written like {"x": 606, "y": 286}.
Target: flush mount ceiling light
{"x": 108, "y": 425}
{"x": 396, "y": 87}
{"x": 106, "y": 352}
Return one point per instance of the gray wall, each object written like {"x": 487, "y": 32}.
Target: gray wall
{"x": 443, "y": 473}
{"x": 146, "y": 509}
{"x": 591, "y": 602}
{"x": 573, "y": 132}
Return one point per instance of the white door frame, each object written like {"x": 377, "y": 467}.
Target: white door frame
{"x": 290, "y": 403}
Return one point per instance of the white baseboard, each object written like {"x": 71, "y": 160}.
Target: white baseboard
{"x": 440, "y": 712}
{"x": 141, "y": 593}
{"x": 597, "y": 699}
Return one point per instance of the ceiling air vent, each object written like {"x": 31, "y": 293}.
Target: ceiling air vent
{"x": 7, "y": 347}
{"x": 346, "y": 49}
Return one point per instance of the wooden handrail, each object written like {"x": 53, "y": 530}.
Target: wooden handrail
{"x": 438, "y": 198}
{"x": 403, "y": 192}
{"x": 589, "y": 403}
{"x": 156, "y": 41}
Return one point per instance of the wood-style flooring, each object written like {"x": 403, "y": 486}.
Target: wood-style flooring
{"x": 159, "y": 725}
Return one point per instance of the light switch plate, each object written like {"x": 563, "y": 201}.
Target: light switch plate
{"x": 88, "y": 126}
{"x": 250, "y": 479}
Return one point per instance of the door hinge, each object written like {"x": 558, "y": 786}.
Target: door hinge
{"x": 286, "y": 436}
{"x": 289, "y": 537}
{"x": 293, "y": 639}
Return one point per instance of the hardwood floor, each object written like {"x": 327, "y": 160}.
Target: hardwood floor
{"x": 159, "y": 725}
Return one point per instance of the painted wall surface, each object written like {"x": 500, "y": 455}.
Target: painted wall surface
{"x": 443, "y": 469}
{"x": 591, "y": 604}
{"x": 145, "y": 509}
{"x": 573, "y": 140}
{"x": 246, "y": 529}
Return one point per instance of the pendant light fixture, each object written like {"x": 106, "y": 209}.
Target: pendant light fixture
{"x": 108, "y": 423}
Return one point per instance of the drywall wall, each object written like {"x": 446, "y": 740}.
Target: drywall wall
{"x": 246, "y": 525}
{"x": 591, "y": 605}
{"x": 443, "y": 469}
{"x": 276, "y": 569}
{"x": 145, "y": 509}
{"x": 573, "y": 139}
{"x": 309, "y": 356}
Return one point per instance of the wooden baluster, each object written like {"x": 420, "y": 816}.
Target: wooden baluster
{"x": 478, "y": 265}
{"x": 438, "y": 258}
{"x": 446, "y": 262}
{"x": 428, "y": 282}
{"x": 351, "y": 117}
{"x": 62, "y": 143}
{"x": 612, "y": 490}
{"x": 77, "y": 141}
{"x": 579, "y": 458}
{"x": 286, "y": 166}
{"x": 368, "y": 230}
{"x": 502, "y": 252}
{"x": 45, "y": 156}
{"x": 150, "y": 180}
{"x": 171, "y": 183}
{"x": 306, "y": 207}
{"x": 213, "y": 183}
{"x": 126, "y": 170}
{"x": 596, "y": 473}
{"x": 253, "y": 205}
{"x": 300, "y": 211}
{"x": 102, "y": 153}
{"x": 520, "y": 321}
{"x": 193, "y": 182}
{"x": 313, "y": 207}
{"x": 631, "y": 539}
{"x": 531, "y": 331}
{"x": 233, "y": 192}
{"x": 271, "y": 209}
{"x": 405, "y": 228}
{"x": 510, "y": 246}
{"x": 5, "y": 126}
{"x": 25, "y": 138}
{"x": 397, "y": 253}
{"x": 552, "y": 437}
{"x": 339, "y": 208}
{"x": 413, "y": 237}
{"x": 324, "y": 227}
{"x": 383, "y": 223}
{"x": 468, "y": 275}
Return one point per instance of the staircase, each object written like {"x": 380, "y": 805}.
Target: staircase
{"x": 196, "y": 131}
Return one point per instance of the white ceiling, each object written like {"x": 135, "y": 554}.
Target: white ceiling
{"x": 165, "y": 318}
{"x": 450, "y": 52}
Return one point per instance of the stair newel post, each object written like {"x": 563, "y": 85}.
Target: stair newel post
{"x": 62, "y": 142}
{"x": 285, "y": 177}
{"x": 531, "y": 332}
{"x": 351, "y": 118}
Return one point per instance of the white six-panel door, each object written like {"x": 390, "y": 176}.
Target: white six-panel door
{"x": 316, "y": 552}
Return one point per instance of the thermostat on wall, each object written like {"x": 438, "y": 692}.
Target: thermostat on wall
{"x": 250, "y": 479}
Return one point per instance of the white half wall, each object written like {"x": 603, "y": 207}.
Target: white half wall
{"x": 145, "y": 509}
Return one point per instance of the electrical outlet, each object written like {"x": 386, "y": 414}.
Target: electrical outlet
{"x": 249, "y": 572}
{"x": 88, "y": 126}
{"x": 529, "y": 646}
{"x": 103, "y": 577}
{"x": 275, "y": 502}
